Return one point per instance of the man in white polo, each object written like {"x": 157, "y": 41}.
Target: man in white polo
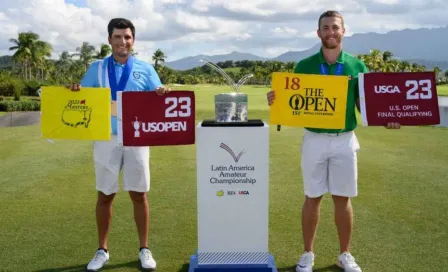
{"x": 121, "y": 72}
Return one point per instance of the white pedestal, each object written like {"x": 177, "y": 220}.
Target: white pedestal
{"x": 233, "y": 197}
{"x": 443, "y": 110}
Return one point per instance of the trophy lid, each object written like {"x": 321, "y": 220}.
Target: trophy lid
{"x": 231, "y": 97}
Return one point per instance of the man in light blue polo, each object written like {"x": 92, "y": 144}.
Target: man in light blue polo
{"x": 121, "y": 71}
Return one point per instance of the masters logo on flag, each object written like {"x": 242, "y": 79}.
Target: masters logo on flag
{"x": 314, "y": 101}
{"x": 76, "y": 113}
{"x": 82, "y": 115}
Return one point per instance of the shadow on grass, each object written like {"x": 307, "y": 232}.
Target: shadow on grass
{"x": 331, "y": 268}
{"x": 184, "y": 267}
{"x": 83, "y": 267}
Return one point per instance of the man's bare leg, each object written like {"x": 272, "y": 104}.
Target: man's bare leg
{"x": 103, "y": 217}
{"x": 310, "y": 219}
{"x": 141, "y": 216}
{"x": 343, "y": 213}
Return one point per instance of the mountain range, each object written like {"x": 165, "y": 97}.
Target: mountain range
{"x": 425, "y": 46}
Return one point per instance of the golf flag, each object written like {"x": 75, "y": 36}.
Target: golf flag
{"x": 314, "y": 101}
{"x": 81, "y": 115}
{"x": 148, "y": 119}
{"x": 408, "y": 98}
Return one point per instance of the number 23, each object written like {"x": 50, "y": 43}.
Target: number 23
{"x": 426, "y": 89}
{"x": 174, "y": 101}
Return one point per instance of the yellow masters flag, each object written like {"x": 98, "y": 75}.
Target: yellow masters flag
{"x": 82, "y": 115}
{"x": 314, "y": 101}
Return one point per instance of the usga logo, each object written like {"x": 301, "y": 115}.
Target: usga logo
{"x": 386, "y": 89}
{"x": 240, "y": 192}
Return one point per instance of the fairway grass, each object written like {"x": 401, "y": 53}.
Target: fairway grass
{"x": 442, "y": 90}
{"x": 47, "y": 201}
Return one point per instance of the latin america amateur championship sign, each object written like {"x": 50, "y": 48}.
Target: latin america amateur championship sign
{"x": 147, "y": 119}
{"x": 314, "y": 101}
{"x": 408, "y": 98}
{"x": 233, "y": 195}
{"x": 81, "y": 115}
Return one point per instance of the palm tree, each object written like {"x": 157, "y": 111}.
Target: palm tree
{"x": 289, "y": 66}
{"x": 376, "y": 60}
{"x": 63, "y": 66}
{"x": 362, "y": 57}
{"x": 417, "y": 67}
{"x": 24, "y": 50}
{"x": 65, "y": 57}
{"x": 436, "y": 71}
{"x": 392, "y": 66}
{"x": 86, "y": 54}
{"x": 405, "y": 66}
{"x": 104, "y": 51}
{"x": 387, "y": 56}
{"x": 158, "y": 57}
{"x": 48, "y": 68}
{"x": 40, "y": 50}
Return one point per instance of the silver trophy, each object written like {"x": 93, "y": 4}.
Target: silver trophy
{"x": 136, "y": 125}
{"x": 230, "y": 107}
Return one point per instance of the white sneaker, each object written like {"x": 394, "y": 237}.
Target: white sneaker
{"x": 146, "y": 259}
{"x": 99, "y": 260}
{"x": 347, "y": 262}
{"x": 306, "y": 262}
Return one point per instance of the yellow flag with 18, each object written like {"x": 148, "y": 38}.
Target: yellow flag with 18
{"x": 313, "y": 101}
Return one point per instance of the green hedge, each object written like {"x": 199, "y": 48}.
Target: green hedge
{"x": 10, "y": 86}
{"x": 30, "y": 87}
{"x": 25, "y": 105}
{"x": 13, "y": 86}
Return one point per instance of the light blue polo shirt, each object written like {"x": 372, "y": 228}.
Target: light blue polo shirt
{"x": 143, "y": 77}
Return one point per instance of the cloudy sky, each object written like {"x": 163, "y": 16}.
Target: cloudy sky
{"x": 190, "y": 27}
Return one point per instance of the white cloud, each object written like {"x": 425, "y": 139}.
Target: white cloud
{"x": 311, "y": 34}
{"x": 183, "y": 28}
{"x": 285, "y": 30}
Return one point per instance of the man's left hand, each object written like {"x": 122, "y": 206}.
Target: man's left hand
{"x": 393, "y": 125}
{"x": 162, "y": 90}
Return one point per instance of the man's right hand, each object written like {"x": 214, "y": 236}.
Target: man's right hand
{"x": 271, "y": 97}
{"x": 74, "y": 87}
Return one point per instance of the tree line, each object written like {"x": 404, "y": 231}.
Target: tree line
{"x": 32, "y": 62}
{"x": 376, "y": 61}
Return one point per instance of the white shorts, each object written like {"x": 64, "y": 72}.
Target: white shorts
{"x": 329, "y": 164}
{"x": 110, "y": 159}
